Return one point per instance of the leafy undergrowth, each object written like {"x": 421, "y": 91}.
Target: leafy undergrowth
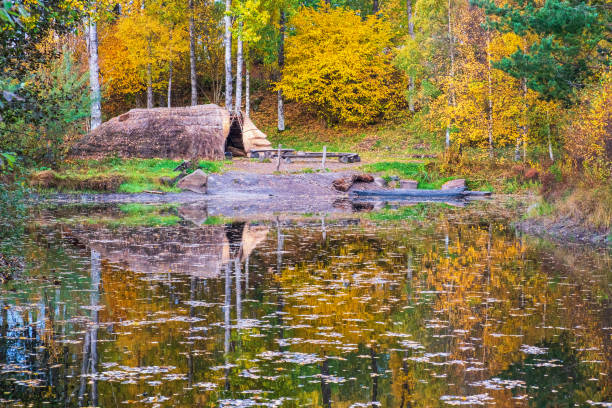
{"x": 114, "y": 175}
{"x": 408, "y": 170}
{"x": 396, "y": 138}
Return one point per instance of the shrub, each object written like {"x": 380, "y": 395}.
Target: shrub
{"x": 339, "y": 66}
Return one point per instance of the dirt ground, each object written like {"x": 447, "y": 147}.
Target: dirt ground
{"x": 297, "y": 166}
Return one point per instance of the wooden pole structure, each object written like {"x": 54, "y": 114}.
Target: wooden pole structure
{"x": 323, "y": 158}
{"x": 278, "y": 158}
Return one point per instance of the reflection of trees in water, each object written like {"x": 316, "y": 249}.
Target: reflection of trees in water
{"x": 361, "y": 283}
{"x": 90, "y": 347}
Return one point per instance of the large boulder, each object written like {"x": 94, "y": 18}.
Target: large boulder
{"x": 195, "y": 182}
{"x": 194, "y": 131}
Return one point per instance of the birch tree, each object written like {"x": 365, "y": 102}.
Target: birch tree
{"x": 239, "y": 66}
{"x": 411, "y": 33}
{"x": 281, "y": 65}
{"x": 192, "y": 57}
{"x": 94, "y": 72}
{"x": 227, "y": 40}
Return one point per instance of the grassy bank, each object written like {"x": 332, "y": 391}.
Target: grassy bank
{"x": 573, "y": 212}
{"x": 113, "y": 175}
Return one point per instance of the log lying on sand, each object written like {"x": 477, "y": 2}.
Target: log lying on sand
{"x": 345, "y": 183}
{"x": 413, "y": 192}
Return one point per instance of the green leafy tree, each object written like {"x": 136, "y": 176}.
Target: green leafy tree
{"x": 55, "y": 102}
{"x": 565, "y": 43}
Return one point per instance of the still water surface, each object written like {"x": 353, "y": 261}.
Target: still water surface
{"x": 316, "y": 312}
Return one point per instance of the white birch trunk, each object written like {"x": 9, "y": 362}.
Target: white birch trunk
{"x": 525, "y": 127}
{"x": 239, "y": 65}
{"x": 550, "y": 150}
{"x": 94, "y": 75}
{"x": 451, "y": 96}
{"x": 411, "y": 32}
{"x": 281, "y": 64}
{"x": 149, "y": 87}
{"x": 247, "y": 96}
{"x": 192, "y": 58}
{"x": 170, "y": 84}
{"x": 227, "y": 39}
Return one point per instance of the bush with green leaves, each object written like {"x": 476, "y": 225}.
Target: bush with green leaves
{"x": 51, "y": 110}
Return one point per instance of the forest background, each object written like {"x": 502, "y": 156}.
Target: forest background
{"x": 516, "y": 90}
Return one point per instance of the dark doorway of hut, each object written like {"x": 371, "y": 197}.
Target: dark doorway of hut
{"x": 234, "y": 144}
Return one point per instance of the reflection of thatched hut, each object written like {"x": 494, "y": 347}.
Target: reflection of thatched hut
{"x": 201, "y": 251}
{"x": 203, "y": 131}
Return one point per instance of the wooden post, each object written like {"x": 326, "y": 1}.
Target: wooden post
{"x": 323, "y": 158}
{"x": 278, "y": 158}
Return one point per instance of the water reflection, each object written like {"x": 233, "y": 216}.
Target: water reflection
{"x": 318, "y": 312}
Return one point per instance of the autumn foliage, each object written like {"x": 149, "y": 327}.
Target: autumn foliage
{"x": 339, "y": 65}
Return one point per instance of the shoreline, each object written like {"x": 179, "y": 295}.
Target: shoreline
{"x": 564, "y": 231}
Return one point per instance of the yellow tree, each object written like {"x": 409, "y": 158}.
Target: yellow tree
{"x": 338, "y": 65}
{"x": 139, "y": 48}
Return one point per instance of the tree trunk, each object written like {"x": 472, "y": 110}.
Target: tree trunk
{"x": 239, "y": 65}
{"x": 170, "y": 84}
{"x": 247, "y": 96}
{"x": 550, "y": 150}
{"x": 411, "y": 32}
{"x": 281, "y": 64}
{"x": 525, "y": 127}
{"x": 375, "y": 6}
{"x": 192, "y": 58}
{"x": 451, "y": 90}
{"x": 94, "y": 76}
{"x": 227, "y": 40}
{"x": 447, "y": 137}
{"x": 149, "y": 87}
{"x": 490, "y": 96}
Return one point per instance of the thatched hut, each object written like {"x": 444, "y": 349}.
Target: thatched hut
{"x": 202, "y": 131}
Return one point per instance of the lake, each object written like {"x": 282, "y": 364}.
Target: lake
{"x": 425, "y": 306}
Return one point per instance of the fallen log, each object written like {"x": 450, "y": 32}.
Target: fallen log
{"x": 413, "y": 192}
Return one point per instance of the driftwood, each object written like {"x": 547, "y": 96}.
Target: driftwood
{"x": 410, "y": 192}
{"x": 345, "y": 183}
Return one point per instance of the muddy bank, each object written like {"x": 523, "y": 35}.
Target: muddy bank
{"x": 237, "y": 187}
{"x": 564, "y": 230}
{"x": 238, "y": 194}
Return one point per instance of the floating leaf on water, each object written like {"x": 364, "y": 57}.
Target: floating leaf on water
{"x": 533, "y": 349}
{"x": 478, "y": 399}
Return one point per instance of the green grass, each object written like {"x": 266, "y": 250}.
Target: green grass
{"x": 408, "y": 170}
{"x": 540, "y": 209}
{"x": 139, "y": 174}
{"x": 302, "y": 140}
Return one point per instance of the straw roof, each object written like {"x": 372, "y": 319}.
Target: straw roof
{"x": 177, "y": 133}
